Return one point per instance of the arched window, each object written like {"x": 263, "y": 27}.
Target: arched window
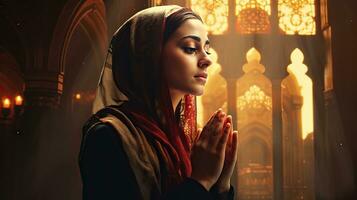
{"x": 298, "y": 128}
{"x": 301, "y": 85}
{"x": 253, "y": 16}
{"x": 255, "y": 147}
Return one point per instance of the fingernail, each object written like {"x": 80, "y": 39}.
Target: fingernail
{"x": 228, "y": 125}
{"x": 217, "y": 112}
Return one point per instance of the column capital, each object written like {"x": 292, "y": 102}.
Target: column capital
{"x": 43, "y": 89}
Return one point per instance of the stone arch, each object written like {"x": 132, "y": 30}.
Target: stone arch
{"x": 79, "y": 44}
{"x": 256, "y": 129}
{"x": 90, "y": 15}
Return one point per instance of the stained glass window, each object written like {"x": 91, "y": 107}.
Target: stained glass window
{"x": 297, "y": 17}
{"x": 214, "y": 13}
{"x": 254, "y": 98}
{"x": 253, "y": 16}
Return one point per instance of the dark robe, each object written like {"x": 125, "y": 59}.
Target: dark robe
{"x": 107, "y": 175}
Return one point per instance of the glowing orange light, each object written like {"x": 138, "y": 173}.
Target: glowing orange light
{"x": 78, "y": 96}
{"x": 213, "y": 13}
{"x": 18, "y": 100}
{"x": 297, "y": 17}
{"x": 298, "y": 69}
{"x": 6, "y": 103}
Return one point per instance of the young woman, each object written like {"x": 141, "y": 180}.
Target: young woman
{"x": 140, "y": 144}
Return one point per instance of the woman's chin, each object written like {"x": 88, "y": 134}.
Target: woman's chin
{"x": 198, "y": 91}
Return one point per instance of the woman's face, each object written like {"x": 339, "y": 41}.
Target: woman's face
{"x": 185, "y": 59}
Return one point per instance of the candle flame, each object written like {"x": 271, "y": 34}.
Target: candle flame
{"x": 6, "y": 103}
{"x": 18, "y": 100}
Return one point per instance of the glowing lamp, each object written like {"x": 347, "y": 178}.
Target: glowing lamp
{"x": 6, "y": 103}
{"x": 78, "y": 96}
{"x": 18, "y": 100}
{"x": 18, "y": 105}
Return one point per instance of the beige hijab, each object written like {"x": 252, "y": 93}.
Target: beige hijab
{"x": 139, "y": 40}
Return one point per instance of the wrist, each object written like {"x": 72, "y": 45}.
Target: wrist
{"x": 206, "y": 184}
{"x": 223, "y": 194}
{"x": 221, "y": 188}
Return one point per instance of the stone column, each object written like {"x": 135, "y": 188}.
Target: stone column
{"x": 277, "y": 140}
{"x": 42, "y": 100}
{"x": 293, "y": 150}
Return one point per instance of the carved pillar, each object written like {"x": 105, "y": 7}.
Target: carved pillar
{"x": 232, "y": 100}
{"x": 293, "y": 151}
{"x": 42, "y": 98}
{"x": 277, "y": 140}
{"x": 232, "y": 110}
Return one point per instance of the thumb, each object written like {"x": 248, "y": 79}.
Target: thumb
{"x": 199, "y": 131}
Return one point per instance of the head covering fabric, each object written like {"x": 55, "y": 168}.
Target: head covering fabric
{"x": 132, "y": 77}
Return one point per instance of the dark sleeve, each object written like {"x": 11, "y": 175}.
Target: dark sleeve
{"x": 229, "y": 195}
{"x": 107, "y": 175}
{"x": 104, "y": 166}
{"x": 189, "y": 189}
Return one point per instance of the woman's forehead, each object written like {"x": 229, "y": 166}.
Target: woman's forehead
{"x": 192, "y": 27}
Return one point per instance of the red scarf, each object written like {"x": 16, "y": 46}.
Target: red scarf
{"x": 174, "y": 143}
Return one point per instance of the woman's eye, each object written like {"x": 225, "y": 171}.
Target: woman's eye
{"x": 189, "y": 50}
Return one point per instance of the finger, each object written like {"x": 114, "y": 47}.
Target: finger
{"x": 214, "y": 115}
{"x": 232, "y": 149}
{"x": 235, "y": 145}
{"x": 199, "y": 131}
{"x": 211, "y": 125}
{"x": 229, "y": 120}
{"x": 223, "y": 139}
{"x": 220, "y": 122}
{"x": 217, "y": 129}
{"x": 212, "y": 131}
{"x": 217, "y": 120}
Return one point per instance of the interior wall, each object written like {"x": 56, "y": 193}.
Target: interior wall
{"x": 64, "y": 43}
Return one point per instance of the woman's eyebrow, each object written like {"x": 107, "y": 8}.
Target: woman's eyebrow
{"x": 194, "y": 37}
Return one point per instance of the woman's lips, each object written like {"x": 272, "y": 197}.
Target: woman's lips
{"x": 201, "y": 77}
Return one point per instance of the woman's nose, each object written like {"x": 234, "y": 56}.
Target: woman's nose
{"x": 205, "y": 61}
